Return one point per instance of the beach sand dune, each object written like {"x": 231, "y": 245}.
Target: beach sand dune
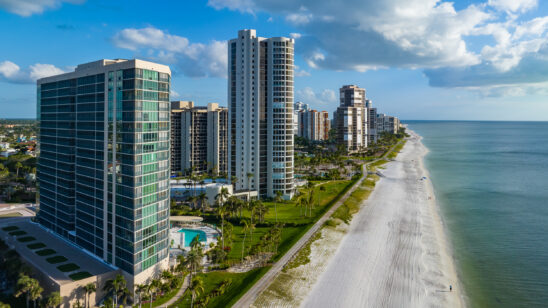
{"x": 396, "y": 253}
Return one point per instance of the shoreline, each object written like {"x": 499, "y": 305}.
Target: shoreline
{"x": 398, "y": 237}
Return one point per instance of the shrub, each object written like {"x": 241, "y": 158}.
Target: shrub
{"x": 80, "y": 275}
{"x": 10, "y": 228}
{"x": 56, "y": 259}
{"x": 26, "y": 239}
{"x": 68, "y": 267}
{"x": 45, "y": 252}
{"x": 36, "y": 245}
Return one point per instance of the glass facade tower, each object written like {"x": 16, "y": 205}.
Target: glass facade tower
{"x": 104, "y": 161}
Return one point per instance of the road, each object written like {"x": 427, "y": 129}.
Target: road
{"x": 251, "y": 295}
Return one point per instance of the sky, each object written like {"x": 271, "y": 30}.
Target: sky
{"x": 417, "y": 59}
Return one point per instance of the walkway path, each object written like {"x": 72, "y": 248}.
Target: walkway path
{"x": 179, "y": 294}
{"x": 251, "y": 295}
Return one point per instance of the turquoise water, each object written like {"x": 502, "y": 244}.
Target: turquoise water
{"x": 190, "y": 234}
{"x": 491, "y": 179}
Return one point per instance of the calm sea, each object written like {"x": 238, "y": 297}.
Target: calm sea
{"x": 491, "y": 179}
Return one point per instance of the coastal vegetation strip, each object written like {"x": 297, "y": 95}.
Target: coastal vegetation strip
{"x": 299, "y": 274}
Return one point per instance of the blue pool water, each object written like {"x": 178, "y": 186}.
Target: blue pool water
{"x": 190, "y": 234}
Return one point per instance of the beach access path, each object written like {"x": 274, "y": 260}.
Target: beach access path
{"x": 395, "y": 253}
{"x": 251, "y": 295}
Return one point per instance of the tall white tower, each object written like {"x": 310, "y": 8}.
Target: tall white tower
{"x": 260, "y": 102}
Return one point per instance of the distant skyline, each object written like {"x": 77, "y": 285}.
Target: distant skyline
{"x": 417, "y": 59}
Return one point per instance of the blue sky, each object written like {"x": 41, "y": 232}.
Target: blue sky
{"x": 417, "y": 59}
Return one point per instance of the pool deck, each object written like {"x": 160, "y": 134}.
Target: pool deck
{"x": 211, "y": 234}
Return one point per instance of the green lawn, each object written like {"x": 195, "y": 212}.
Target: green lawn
{"x": 80, "y": 275}
{"x": 45, "y": 252}
{"x": 10, "y": 228}
{"x": 36, "y": 245}
{"x": 56, "y": 259}
{"x": 241, "y": 282}
{"x": 290, "y": 214}
{"x": 68, "y": 267}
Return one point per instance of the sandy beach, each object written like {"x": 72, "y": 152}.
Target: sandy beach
{"x": 395, "y": 253}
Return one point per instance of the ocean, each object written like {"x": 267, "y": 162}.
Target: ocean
{"x": 491, "y": 181}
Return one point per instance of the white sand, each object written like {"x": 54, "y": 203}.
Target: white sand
{"x": 396, "y": 253}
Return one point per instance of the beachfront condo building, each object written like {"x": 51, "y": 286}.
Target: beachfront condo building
{"x": 299, "y": 106}
{"x": 314, "y": 125}
{"x": 103, "y": 168}
{"x": 351, "y": 119}
{"x": 260, "y": 103}
{"x": 371, "y": 122}
{"x": 199, "y": 138}
{"x": 386, "y": 123}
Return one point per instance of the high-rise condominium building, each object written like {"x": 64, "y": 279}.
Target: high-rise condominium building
{"x": 260, "y": 96}
{"x": 351, "y": 118}
{"x": 386, "y": 123}
{"x": 299, "y": 106}
{"x": 199, "y": 137}
{"x": 314, "y": 125}
{"x": 371, "y": 122}
{"x": 104, "y": 163}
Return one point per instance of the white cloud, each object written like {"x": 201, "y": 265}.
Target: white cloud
{"x": 240, "y": 5}
{"x": 11, "y": 72}
{"x": 8, "y": 69}
{"x": 174, "y": 94}
{"x": 432, "y": 35}
{"x": 299, "y": 18}
{"x": 194, "y": 59}
{"x": 323, "y": 99}
{"x": 29, "y": 7}
{"x": 295, "y": 35}
{"x": 513, "y": 5}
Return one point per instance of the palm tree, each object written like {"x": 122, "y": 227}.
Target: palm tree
{"x": 54, "y": 300}
{"x": 89, "y": 289}
{"x": 35, "y": 292}
{"x": 196, "y": 288}
{"x": 221, "y": 211}
{"x": 202, "y": 198}
{"x": 150, "y": 289}
{"x": 115, "y": 286}
{"x": 249, "y": 177}
{"x": 278, "y": 198}
{"x": 194, "y": 261}
{"x": 25, "y": 284}
{"x": 246, "y": 228}
{"x": 261, "y": 210}
{"x": 18, "y": 165}
{"x": 140, "y": 289}
{"x": 222, "y": 196}
{"x": 124, "y": 295}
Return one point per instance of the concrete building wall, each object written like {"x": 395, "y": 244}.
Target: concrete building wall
{"x": 260, "y": 96}
{"x": 351, "y": 122}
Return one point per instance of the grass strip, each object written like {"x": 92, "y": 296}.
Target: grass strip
{"x": 45, "y": 252}
{"x": 68, "y": 267}
{"x": 26, "y": 239}
{"x": 36, "y": 245}
{"x": 56, "y": 259}
{"x": 80, "y": 275}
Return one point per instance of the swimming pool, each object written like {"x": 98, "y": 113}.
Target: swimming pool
{"x": 190, "y": 234}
